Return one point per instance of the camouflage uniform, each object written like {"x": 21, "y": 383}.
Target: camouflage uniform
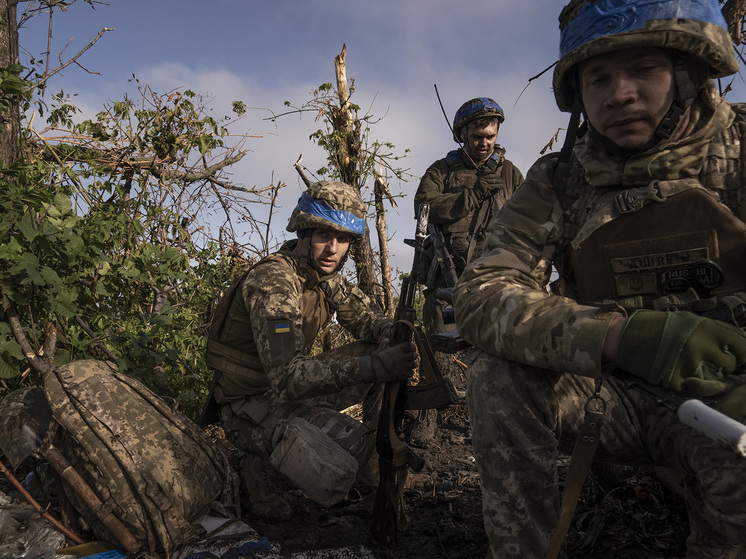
{"x": 274, "y": 309}
{"x": 268, "y": 377}
{"x": 540, "y": 354}
{"x": 463, "y": 200}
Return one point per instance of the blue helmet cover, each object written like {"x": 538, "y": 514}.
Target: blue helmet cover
{"x": 611, "y": 17}
{"x": 319, "y": 208}
{"x": 474, "y": 106}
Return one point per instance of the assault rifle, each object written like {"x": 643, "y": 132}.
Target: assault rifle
{"x": 696, "y": 413}
{"x": 433, "y": 391}
{"x": 442, "y": 257}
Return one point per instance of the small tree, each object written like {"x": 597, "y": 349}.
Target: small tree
{"x": 352, "y": 157}
{"x": 117, "y": 232}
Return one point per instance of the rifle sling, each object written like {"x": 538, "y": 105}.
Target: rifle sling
{"x": 580, "y": 464}
{"x": 433, "y": 391}
{"x": 478, "y": 228}
{"x": 436, "y": 395}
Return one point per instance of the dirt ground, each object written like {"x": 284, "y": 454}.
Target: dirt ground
{"x": 623, "y": 512}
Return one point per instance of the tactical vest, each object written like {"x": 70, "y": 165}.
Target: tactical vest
{"x": 315, "y": 308}
{"x": 663, "y": 246}
{"x": 464, "y": 238}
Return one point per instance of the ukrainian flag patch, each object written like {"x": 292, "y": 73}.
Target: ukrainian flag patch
{"x": 282, "y": 328}
{"x": 281, "y": 340}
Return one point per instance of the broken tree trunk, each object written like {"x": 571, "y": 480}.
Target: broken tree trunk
{"x": 348, "y": 155}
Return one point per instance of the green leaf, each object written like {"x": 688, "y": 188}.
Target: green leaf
{"x": 11, "y": 249}
{"x": 162, "y": 320}
{"x": 28, "y": 230}
{"x": 63, "y": 203}
{"x": 8, "y": 369}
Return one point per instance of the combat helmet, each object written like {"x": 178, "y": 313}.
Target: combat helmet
{"x": 588, "y": 28}
{"x": 474, "y": 109}
{"x": 331, "y": 205}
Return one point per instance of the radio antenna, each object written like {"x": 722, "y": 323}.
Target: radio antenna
{"x": 448, "y": 122}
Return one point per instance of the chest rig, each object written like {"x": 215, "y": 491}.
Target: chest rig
{"x": 464, "y": 237}
{"x": 663, "y": 246}
{"x": 316, "y": 308}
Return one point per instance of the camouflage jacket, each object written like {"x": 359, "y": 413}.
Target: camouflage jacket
{"x": 463, "y": 200}
{"x": 276, "y": 317}
{"x": 502, "y": 302}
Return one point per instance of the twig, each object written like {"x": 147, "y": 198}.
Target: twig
{"x": 37, "y": 362}
{"x": 95, "y": 338}
{"x": 44, "y": 79}
{"x": 299, "y": 168}
{"x": 42, "y": 511}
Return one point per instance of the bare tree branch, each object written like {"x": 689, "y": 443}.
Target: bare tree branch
{"x": 299, "y": 168}
{"x": 47, "y": 75}
{"x": 38, "y": 362}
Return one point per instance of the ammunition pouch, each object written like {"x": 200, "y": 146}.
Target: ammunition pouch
{"x": 315, "y": 463}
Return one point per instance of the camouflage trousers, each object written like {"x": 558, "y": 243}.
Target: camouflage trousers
{"x": 357, "y": 437}
{"x": 523, "y": 417}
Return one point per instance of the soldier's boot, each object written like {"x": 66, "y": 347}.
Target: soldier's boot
{"x": 263, "y": 491}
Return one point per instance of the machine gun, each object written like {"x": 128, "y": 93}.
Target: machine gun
{"x": 433, "y": 391}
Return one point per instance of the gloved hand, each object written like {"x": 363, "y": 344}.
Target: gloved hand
{"x": 665, "y": 348}
{"x": 388, "y": 364}
{"x": 484, "y": 187}
{"x": 731, "y": 392}
{"x": 733, "y": 404}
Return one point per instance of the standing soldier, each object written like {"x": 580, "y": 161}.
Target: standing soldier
{"x": 643, "y": 217}
{"x": 464, "y": 190}
{"x": 280, "y": 405}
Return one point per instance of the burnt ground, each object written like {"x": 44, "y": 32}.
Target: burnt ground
{"x": 623, "y": 512}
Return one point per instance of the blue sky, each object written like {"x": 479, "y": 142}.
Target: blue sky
{"x": 266, "y": 52}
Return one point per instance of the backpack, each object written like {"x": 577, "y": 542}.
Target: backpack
{"x": 151, "y": 467}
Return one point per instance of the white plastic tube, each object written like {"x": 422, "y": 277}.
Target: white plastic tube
{"x": 719, "y": 427}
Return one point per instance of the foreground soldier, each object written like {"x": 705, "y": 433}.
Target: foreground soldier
{"x": 279, "y": 404}
{"x": 464, "y": 190}
{"x": 635, "y": 219}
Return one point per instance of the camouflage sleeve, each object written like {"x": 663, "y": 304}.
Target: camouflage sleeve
{"x": 357, "y": 313}
{"x": 445, "y": 207}
{"x": 501, "y": 300}
{"x": 273, "y": 298}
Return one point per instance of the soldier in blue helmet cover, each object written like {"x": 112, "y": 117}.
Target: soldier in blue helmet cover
{"x": 642, "y": 215}
{"x": 281, "y": 405}
{"x": 465, "y": 190}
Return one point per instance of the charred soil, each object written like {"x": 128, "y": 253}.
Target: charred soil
{"x": 623, "y": 512}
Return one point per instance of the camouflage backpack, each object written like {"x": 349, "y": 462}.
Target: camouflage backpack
{"x": 154, "y": 472}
